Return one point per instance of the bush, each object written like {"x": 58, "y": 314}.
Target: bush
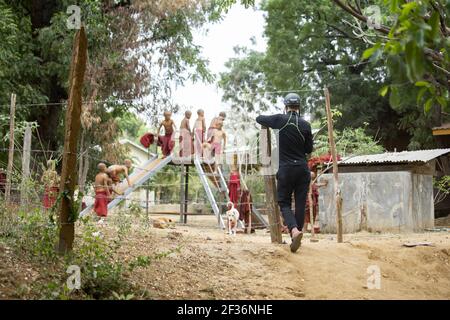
{"x": 103, "y": 276}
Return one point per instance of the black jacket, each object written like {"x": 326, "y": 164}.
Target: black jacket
{"x": 295, "y": 137}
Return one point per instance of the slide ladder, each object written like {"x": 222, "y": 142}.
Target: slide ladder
{"x": 137, "y": 179}
{"x": 256, "y": 213}
{"x": 209, "y": 193}
{"x": 224, "y": 188}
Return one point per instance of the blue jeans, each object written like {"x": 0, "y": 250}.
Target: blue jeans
{"x": 293, "y": 180}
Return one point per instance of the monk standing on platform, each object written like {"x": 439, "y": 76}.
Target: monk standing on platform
{"x": 215, "y": 122}
{"x": 186, "y": 136}
{"x": 116, "y": 170}
{"x": 102, "y": 193}
{"x": 50, "y": 180}
{"x": 199, "y": 132}
{"x": 216, "y": 144}
{"x": 167, "y": 142}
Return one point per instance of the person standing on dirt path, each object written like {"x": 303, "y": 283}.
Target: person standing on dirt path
{"x": 293, "y": 176}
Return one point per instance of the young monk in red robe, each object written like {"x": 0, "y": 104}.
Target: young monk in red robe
{"x": 215, "y": 125}
{"x": 167, "y": 141}
{"x": 186, "y": 137}
{"x": 116, "y": 170}
{"x": 111, "y": 189}
{"x": 234, "y": 186}
{"x": 216, "y": 144}
{"x": 199, "y": 132}
{"x": 50, "y": 180}
{"x": 246, "y": 209}
{"x": 102, "y": 193}
{"x": 315, "y": 204}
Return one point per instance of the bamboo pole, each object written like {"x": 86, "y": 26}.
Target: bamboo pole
{"x": 186, "y": 193}
{"x": 311, "y": 210}
{"x": 73, "y": 125}
{"x": 182, "y": 194}
{"x": 337, "y": 191}
{"x": 25, "y": 164}
{"x": 9, "y": 169}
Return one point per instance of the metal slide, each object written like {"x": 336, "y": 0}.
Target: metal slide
{"x": 209, "y": 192}
{"x": 137, "y": 178}
{"x": 260, "y": 217}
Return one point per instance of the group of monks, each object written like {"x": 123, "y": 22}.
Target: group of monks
{"x": 193, "y": 141}
{"x": 190, "y": 141}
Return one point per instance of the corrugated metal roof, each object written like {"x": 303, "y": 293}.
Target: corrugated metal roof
{"x": 396, "y": 157}
{"x": 445, "y": 126}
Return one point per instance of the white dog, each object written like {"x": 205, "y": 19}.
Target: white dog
{"x": 232, "y": 218}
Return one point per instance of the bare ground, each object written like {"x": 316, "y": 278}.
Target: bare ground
{"x": 213, "y": 265}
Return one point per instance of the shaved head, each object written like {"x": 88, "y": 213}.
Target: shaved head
{"x": 101, "y": 167}
{"x": 127, "y": 163}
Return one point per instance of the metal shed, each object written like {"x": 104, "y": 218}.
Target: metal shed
{"x": 389, "y": 192}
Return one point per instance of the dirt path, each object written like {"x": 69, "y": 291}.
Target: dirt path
{"x": 212, "y": 265}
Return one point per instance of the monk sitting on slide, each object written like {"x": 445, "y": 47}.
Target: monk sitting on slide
{"x": 102, "y": 193}
{"x": 167, "y": 142}
{"x": 112, "y": 190}
{"x": 116, "y": 170}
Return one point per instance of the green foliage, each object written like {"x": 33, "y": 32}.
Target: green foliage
{"x": 131, "y": 126}
{"x": 349, "y": 141}
{"x": 136, "y": 49}
{"x": 417, "y": 50}
{"x": 103, "y": 274}
{"x": 313, "y": 45}
{"x": 442, "y": 184}
{"x": 244, "y": 83}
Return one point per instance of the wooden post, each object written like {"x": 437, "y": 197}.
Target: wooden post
{"x": 147, "y": 190}
{"x": 271, "y": 190}
{"x": 26, "y": 154}
{"x": 311, "y": 212}
{"x": 72, "y": 125}
{"x": 186, "y": 193}
{"x": 182, "y": 195}
{"x": 337, "y": 191}
{"x": 9, "y": 169}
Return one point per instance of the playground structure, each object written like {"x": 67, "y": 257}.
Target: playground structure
{"x": 152, "y": 166}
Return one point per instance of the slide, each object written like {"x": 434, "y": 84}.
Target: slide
{"x": 139, "y": 176}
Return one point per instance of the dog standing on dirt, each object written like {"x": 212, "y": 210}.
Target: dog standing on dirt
{"x": 232, "y": 218}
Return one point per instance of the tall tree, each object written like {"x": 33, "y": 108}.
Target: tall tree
{"x": 137, "y": 50}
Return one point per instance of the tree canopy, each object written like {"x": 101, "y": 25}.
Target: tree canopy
{"x": 137, "y": 51}
{"x": 313, "y": 45}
